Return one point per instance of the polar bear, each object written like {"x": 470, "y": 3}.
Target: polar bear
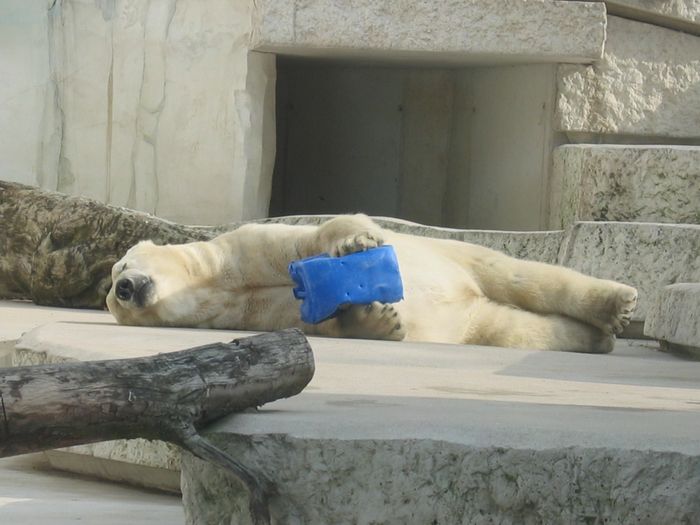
{"x": 454, "y": 292}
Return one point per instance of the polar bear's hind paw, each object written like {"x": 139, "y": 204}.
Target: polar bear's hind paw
{"x": 624, "y": 302}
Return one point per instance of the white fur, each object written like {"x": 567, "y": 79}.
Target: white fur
{"x": 455, "y": 292}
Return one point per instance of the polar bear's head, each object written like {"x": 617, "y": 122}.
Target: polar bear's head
{"x": 161, "y": 285}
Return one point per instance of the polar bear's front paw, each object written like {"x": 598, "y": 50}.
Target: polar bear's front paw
{"x": 359, "y": 242}
{"x": 372, "y": 321}
{"x": 619, "y": 310}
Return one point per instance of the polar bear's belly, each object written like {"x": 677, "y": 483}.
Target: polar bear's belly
{"x": 439, "y": 296}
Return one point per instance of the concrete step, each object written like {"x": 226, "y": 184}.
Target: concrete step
{"x": 507, "y": 31}
{"x": 674, "y": 319}
{"x": 398, "y": 433}
{"x": 625, "y": 183}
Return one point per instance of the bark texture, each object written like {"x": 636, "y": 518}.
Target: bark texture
{"x": 167, "y": 396}
{"x": 58, "y": 250}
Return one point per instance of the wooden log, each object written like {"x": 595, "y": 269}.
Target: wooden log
{"x": 167, "y": 396}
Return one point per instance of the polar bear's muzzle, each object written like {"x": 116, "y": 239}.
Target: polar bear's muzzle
{"x": 134, "y": 288}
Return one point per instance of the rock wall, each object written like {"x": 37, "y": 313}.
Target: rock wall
{"x": 633, "y": 121}
{"x": 157, "y": 106}
{"x": 169, "y": 106}
{"x": 648, "y": 83}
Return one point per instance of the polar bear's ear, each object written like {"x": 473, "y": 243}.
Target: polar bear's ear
{"x": 140, "y": 244}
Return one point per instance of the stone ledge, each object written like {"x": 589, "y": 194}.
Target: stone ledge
{"x": 444, "y": 32}
{"x": 456, "y": 435}
{"x": 625, "y": 183}
{"x": 674, "y": 318}
{"x": 428, "y": 481}
{"x": 648, "y": 83}
{"x": 540, "y": 246}
{"x": 681, "y": 15}
{"x": 34, "y": 494}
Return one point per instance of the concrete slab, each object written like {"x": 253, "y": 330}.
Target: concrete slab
{"x": 592, "y": 182}
{"x": 507, "y": 31}
{"x": 540, "y": 246}
{"x": 674, "y": 319}
{"x": 480, "y": 367}
{"x": 400, "y": 433}
{"x": 31, "y": 494}
{"x": 18, "y": 317}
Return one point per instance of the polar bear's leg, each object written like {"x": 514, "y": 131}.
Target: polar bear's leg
{"x": 262, "y": 252}
{"x": 348, "y": 234}
{"x": 500, "y": 325}
{"x": 550, "y": 289}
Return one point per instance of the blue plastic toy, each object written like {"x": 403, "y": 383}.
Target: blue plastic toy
{"x": 325, "y": 283}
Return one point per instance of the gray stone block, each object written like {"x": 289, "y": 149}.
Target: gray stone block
{"x": 465, "y": 435}
{"x": 412, "y": 481}
{"x": 674, "y": 318}
{"x": 461, "y": 32}
{"x": 648, "y": 256}
{"x": 648, "y": 83}
{"x": 540, "y": 246}
{"x": 625, "y": 183}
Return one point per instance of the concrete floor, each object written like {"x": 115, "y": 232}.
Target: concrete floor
{"x": 637, "y": 397}
{"x": 30, "y": 493}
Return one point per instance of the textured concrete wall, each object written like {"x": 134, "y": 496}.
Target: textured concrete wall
{"x": 648, "y": 83}
{"x": 24, "y": 70}
{"x": 156, "y": 106}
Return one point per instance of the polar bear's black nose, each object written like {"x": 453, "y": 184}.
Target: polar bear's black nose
{"x": 124, "y": 289}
